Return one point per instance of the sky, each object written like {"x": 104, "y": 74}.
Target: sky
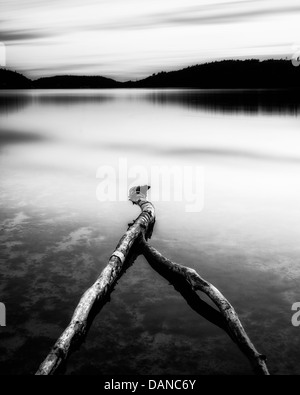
{"x": 131, "y": 39}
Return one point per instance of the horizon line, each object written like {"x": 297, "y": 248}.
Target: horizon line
{"x": 150, "y": 75}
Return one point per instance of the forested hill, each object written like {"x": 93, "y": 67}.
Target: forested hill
{"x": 230, "y": 74}
{"x": 77, "y": 82}
{"x": 252, "y": 74}
{"x": 13, "y": 80}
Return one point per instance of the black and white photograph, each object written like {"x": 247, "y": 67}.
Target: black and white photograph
{"x": 149, "y": 190}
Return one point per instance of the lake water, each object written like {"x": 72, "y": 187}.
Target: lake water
{"x": 56, "y": 236}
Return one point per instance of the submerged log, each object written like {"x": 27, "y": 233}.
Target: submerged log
{"x": 186, "y": 280}
{"x": 103, "y": 286}
{"x": 197, "y": 283}
{"x": 182, "y": 286}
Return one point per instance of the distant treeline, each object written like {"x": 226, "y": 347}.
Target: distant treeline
{"x": 227, "y": 74}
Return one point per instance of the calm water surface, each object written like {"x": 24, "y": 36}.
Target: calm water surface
{"x": 56, "y": 236}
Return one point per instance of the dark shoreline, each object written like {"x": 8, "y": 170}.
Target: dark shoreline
{"x": 234, "y": 75}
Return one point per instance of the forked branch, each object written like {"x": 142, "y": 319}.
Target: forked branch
{"x": 197, "y": 283}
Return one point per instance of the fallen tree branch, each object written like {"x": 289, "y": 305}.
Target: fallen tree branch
{"x": 197, "y": 283}
{"x": 182, "y": 286}
{"x": 103, "y": 286}
{"x": 186, "y": 280}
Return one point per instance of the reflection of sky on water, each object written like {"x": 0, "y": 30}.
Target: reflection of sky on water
{"x": 56, "y": 236}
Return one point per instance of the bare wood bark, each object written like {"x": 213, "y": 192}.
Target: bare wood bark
{"x": 78, "y": 326}
{"x": 197, "y": 283}
{"x": 139, "y": 231}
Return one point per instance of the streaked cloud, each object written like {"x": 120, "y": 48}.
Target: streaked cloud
{"x": 232, "y": 14}
{"x": 128, "y": 40}
{"x": 20, "y": 35}
{"x": 218, "y": 13}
